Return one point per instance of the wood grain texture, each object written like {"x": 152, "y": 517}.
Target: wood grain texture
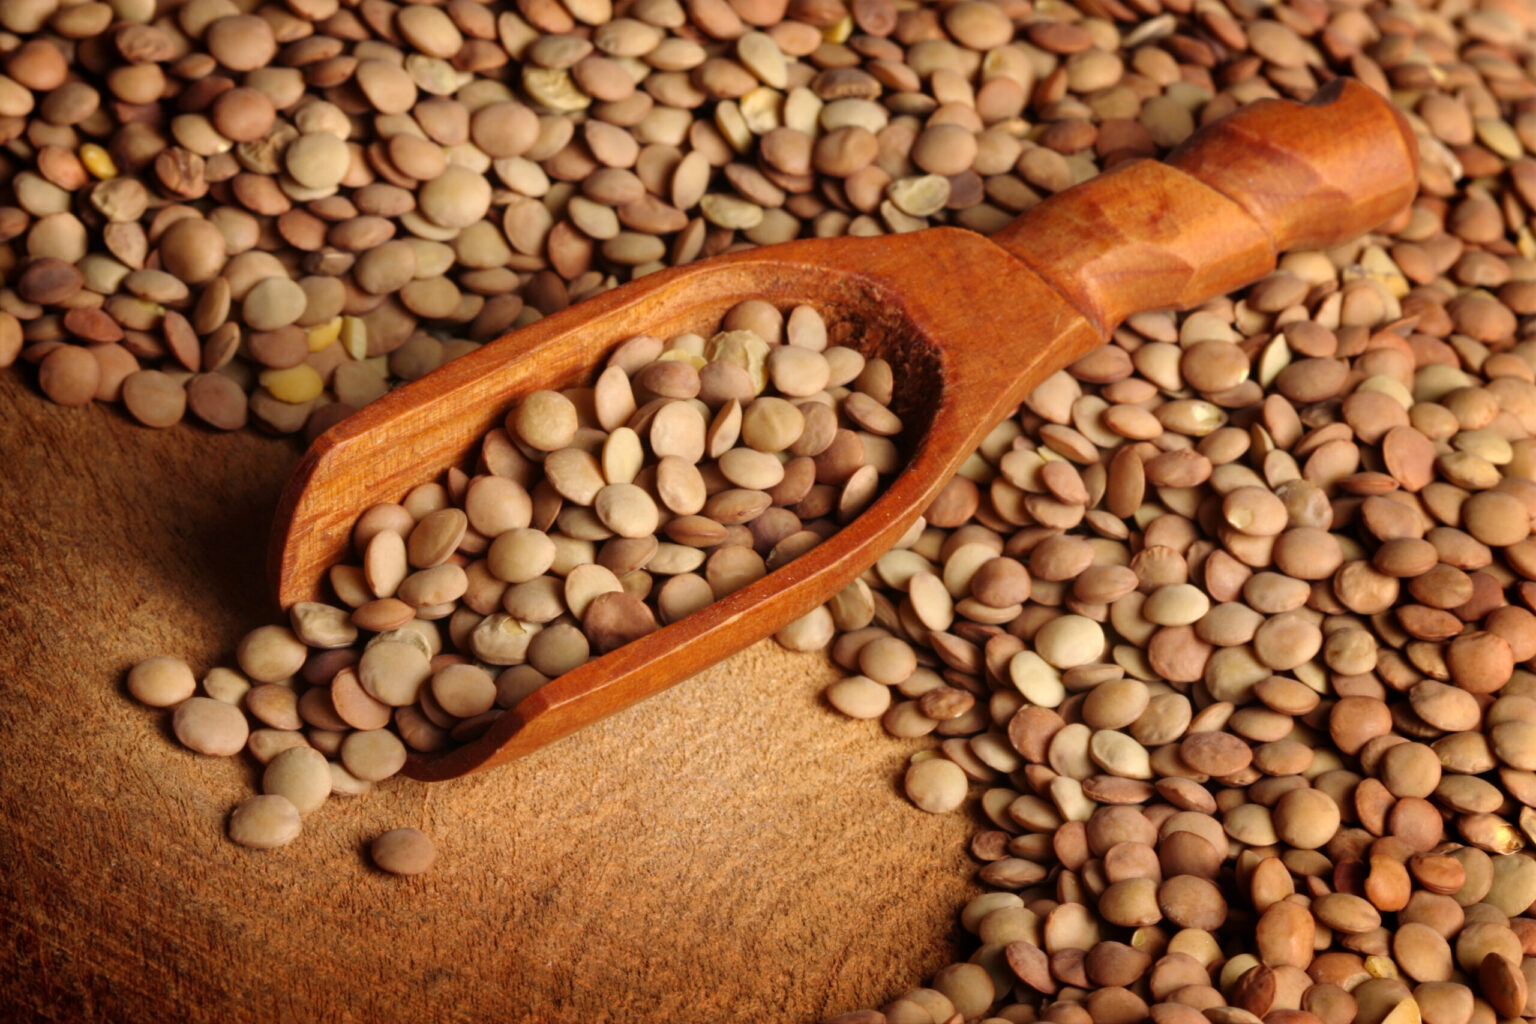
{"x": 731, "y": 848}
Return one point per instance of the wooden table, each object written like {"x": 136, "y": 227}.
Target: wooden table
{"x": 732, "y": 849}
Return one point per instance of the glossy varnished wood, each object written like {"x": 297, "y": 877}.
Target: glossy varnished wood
{"x": 1276, "y": 176}
{"x": 969, "y": 325}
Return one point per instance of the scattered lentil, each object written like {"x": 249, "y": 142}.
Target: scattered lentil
{"x": 403, "y": 851}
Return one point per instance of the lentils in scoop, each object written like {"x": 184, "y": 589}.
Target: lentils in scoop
{"x": 687, "y": 470}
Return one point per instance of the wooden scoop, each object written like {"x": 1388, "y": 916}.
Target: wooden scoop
{"x": 969, "y": 324}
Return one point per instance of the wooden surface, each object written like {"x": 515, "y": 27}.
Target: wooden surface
{"x": 1348, "y": 164}
{"x": 731, "y": 849}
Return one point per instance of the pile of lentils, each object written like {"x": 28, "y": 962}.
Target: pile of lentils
{"x": 271, "y": 213}
{"x": 691, "y": 468}
{"x": 1223, "y": 635}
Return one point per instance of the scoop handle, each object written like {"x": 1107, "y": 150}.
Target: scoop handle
{"x": 1272, "y": 176}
